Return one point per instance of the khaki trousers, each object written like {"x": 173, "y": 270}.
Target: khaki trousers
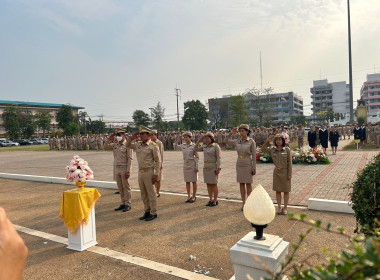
{"x": 123, "y": 185}
{"x": 148, "y": 194}
{"x": 300, "y": 143}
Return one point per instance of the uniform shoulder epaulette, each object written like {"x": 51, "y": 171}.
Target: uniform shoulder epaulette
{"x": 154, "y": 143}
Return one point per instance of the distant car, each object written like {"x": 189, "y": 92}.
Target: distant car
{"x": 22, "y": 142}
{"x": 44, "y": 140}
{"x": 35, "y": 141}
{"x": 9, "y": 143}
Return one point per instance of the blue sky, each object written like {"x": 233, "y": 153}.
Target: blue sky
{"x": 114, "y": 57}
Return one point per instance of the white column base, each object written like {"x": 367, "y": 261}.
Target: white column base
{"x": 85, "y": 236}
{"x": 271, "y": 251}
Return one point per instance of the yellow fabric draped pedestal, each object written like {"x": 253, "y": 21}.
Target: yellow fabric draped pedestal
{"x": 76, "y": 206}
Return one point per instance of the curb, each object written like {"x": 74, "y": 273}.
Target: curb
{"x": 329, "y": 205}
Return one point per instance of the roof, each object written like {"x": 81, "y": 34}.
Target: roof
{"x": 34, "y": 104}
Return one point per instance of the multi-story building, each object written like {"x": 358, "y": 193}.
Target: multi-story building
{"x": 282, "y": 106}
{"x": 330, "y": 97}
{"x": 33, "y": 107}
{"x": 370, "y": 93}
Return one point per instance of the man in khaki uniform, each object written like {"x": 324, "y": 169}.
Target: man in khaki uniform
{"x": 160, "y": 146}
{"x": 300, "y": 136}
{"x": 122, "y": 167}
{"x": 149, "y": 160}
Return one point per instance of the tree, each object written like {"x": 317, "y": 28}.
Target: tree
{"x": 98, "y": 127}
{"x": 11, "y": 117}
{"x": 141, "y": 118}
{"x": 43, "y": 119}
{"x": 158, "y": 114}
{"x": 262, "y": 102}
{"x": 82, "y": 119}
{"x": 195, "y": 116}
{"x": 239, "y": 110}
{"x": 72, "y": 129}
{"x": 27, "y": 125}
{"x": 298, "y": 119}
{"x": 65, "y": 116}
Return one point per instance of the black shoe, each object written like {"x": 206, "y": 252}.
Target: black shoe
{"x": 209, "y": 203}
{"x": 126, "y": 208}
{"x": 214, "y": 203}
{"x": 188, "y": 201}
{"x": 158, "y": 195}
{"x": 150, "y": 217}
{"x": 117, "y": 192}
{"x": 146, "y": 215}
{"x": 121, "y": 207}
{"x": 192, "y": 200}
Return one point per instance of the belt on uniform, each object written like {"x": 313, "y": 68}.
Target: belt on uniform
{"x": 145, "y": 170}
{"x": 187, "y": 161}
{"x": 119, "y": 165}
{"x": 243, "y": 157}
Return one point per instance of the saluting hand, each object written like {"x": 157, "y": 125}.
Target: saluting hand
{"x": 135, "y": 135}
{"x": 234, "y": 130}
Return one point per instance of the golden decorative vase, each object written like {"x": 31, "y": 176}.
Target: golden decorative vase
{"x": 80, "y": 184}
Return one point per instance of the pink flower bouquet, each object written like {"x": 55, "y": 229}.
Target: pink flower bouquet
{"x": 78, "y": 171}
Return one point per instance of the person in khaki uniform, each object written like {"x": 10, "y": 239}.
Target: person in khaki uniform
{"x": 282, "y": 173}
{"x": 300, "y": 136}
{"x": 190, "y": 166}
{"x": 121, "y": 166}
{"x": 246, "y": 160}
{"x": 149, "y": 160}
{"x": 211, "y": 167}
{"x": 160, "y": 146}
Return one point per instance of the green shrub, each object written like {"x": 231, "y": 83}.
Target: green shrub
{"x": 365, "y": 196}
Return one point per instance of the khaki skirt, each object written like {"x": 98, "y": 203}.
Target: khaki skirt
{"x": 280, "y": 180}
{"x": 244, "y": 171}
{"x": 209, "y": 173}
{"x": 189, "y": 174}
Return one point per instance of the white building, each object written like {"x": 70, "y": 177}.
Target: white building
{"x": 330, "y": 96}
{"x": 370, "y": 93}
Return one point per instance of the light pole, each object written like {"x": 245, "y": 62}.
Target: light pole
{"x": 350, "y": 64}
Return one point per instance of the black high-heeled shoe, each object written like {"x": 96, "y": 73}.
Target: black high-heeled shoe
{"x": 209, "y": 203}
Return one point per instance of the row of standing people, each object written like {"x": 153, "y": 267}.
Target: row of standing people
{"x": 149, "y": 158}
{"x": 92, "y": 142}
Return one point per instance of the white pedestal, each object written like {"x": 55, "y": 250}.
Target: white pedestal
{"x": 271, "y": 251}
{"x": 85, "y": 236}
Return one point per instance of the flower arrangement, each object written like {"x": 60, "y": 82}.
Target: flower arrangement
{"x": 78, "y": 170}
{"x": 306, "y": 155}
{"x": 310, "y": 156}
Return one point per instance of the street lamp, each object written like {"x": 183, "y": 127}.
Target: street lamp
{"x": 259, "y": 210}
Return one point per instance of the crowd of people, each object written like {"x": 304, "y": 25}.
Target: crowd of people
{"x": 369, "y": 133}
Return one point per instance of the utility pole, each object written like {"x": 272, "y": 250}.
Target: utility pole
{"x": 177, "y": 91}
{"x": 350, "y": 64}
{"x": 261, "y": 74}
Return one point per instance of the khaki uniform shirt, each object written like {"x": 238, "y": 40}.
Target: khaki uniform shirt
{"x": 121, "y": 154}
{"x": 211, "y": 153}
{"x": 281, "y": 158}
{"x": 148, "y": 155}
{"x": 300, "y": 133}
{"x": 245, "y": 149}
{"x": 189, "y": 153}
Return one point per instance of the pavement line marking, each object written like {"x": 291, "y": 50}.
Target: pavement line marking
{"x": 159, "y": 267}
{"x": 35, "y": 178}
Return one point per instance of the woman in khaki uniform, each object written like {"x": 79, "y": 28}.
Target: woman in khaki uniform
{"x": 211, "y": 167}
{"x": 282, "y": 173}
{"x": 246, "y": 160}
{"x": 190, "y": 165}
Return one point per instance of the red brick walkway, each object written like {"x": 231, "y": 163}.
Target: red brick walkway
{"x": 317, "y": 181}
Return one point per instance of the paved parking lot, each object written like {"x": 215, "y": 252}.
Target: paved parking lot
{"x": 317, "y": 181}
